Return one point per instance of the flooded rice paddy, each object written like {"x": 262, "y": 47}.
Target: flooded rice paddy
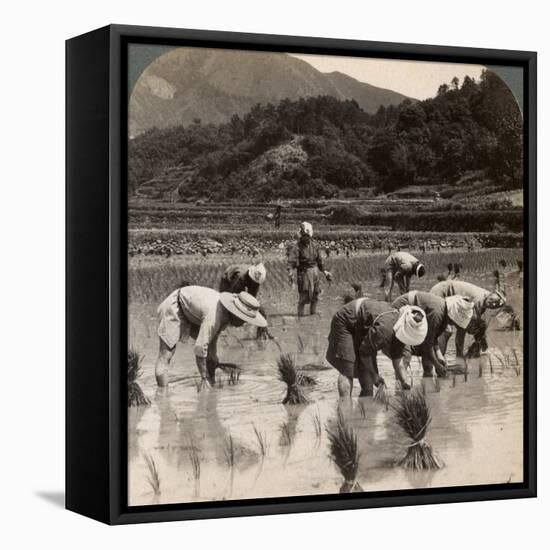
{"x": 238, "y": 441}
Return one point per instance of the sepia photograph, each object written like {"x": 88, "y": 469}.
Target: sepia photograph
{"x": 325, "y": 274}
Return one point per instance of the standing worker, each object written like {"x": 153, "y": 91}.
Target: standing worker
{"x": 363, "y": 327}
{"x": 399, "y": 268}
{"x": 482, "y": 300}
{"x": 305, "y": 258}
{"x": 202, "y": 313}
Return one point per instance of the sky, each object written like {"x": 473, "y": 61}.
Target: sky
{"x": 415, "y": 79}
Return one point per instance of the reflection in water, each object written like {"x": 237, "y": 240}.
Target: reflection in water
{"x": 476, "y": 424}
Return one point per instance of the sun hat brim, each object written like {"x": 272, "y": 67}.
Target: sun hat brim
{"x": 254, "y": 318}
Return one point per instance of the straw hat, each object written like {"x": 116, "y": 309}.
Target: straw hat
{"x": 244, "y": 306}
{"x": 460, "y": 310}
{"x": 411, "y": 327}
{"x": 257, "y": 273}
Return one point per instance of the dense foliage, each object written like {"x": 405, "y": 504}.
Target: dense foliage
{"x": 323, "y": 147}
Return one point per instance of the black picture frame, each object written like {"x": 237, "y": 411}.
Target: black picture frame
{"x": 96, "y": 268}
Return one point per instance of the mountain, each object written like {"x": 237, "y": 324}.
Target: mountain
{"x": 212, "y": 85}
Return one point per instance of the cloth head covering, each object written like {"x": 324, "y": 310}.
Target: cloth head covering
{"x": 460, "y": 310}
{"x": 411, "y": 327}
{"x": 257, "y": 273}
{"x": 244, "y": 306}
{"x": 495, "y": 300}
{"x": 420, "y": 270}
{"x": 306, "y": 228}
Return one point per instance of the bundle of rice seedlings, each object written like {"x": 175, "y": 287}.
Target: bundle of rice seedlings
{"x": 289, "y": 375}
{"x": 136, "y": 397}
{"x": 153, "y": 475}
{"x": 413, "y": 416}
{"x": 502, "y": 264}
{"x": 441, "y": 278}
{"x": 345, "y": 454}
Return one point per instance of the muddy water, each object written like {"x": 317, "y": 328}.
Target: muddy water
{"x": 476, "y": 429}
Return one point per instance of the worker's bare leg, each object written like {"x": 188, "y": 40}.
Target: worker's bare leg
{"x": 303, "y": 300}
{"x": 368, "y": 376}
{"x": 313, "y": 305}
{"x": 428, "y": 367}
{"x": 163, "y": 362}
{"x": 459, "y": 342}
{"x": 345, "y": 386}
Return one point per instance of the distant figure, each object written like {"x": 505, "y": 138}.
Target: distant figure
{"x": 399, "y": 268}
{"x": 202, "y": 314}
{"x": 305, "y": 258}
{"x": 277, "y": 216}
{"x": 327, "y": 251}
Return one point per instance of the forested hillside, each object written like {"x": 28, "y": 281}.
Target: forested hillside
{"x": 468, "y": 138}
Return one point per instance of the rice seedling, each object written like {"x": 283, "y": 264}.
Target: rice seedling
{"x": 413, "y": 416}
{"x": 289, "y": 375}
{"x": 466, "y": 369}
{"x": 300, "y": 344}
{"x": 229, "y": 451}
{"x": 317, "y": 426}
{"x": 362, "y": 408}
{"x": 136, "y": 397}
{"x": 153, "y": 477}
{"x": 381, "y": 395}
{"x": 343, "y": 451}
{"x": 261, "y": 441}
{"x": 195, "y": 461}
{"x": 517, "y": 365}
{"x": 437, "y": 385}
{"x": 305, "y": 379}
{"x": 286, "y": 438}
{"x": 233, "y": 372}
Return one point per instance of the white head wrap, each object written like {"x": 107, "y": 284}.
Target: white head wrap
{"x": 407, "y": 329}
{"x": 257, "y": 273}
{"x": 307, "y": 228}
{"x": 460, "y": 310}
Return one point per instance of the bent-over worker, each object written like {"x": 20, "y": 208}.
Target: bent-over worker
{"x": 363, "y": 327}
{"x": 202, "y": 314}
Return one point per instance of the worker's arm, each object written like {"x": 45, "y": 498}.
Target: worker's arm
{"x": 389, "y": 279}
{"x": 292, "y": 263}
{"x": 406, "y": 282}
